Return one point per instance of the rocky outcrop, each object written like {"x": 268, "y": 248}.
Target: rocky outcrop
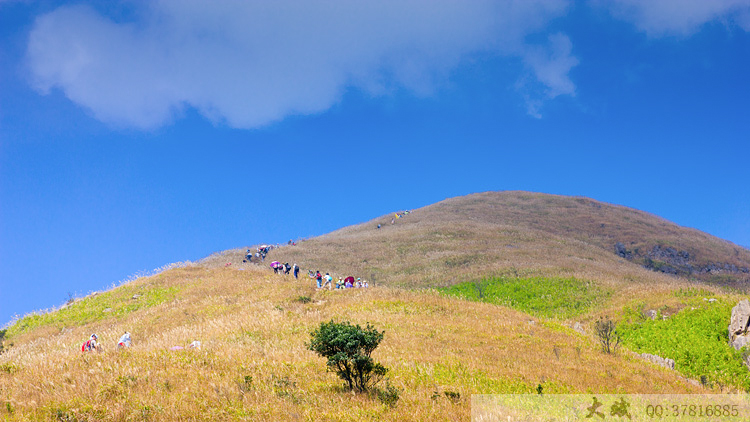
{"x": 622, "y": 251}
{"x": 718, "y": 267}
{"x": 668, "y": 260}
{"x": 667, "y": 363}
{"x": 738, "y": 325}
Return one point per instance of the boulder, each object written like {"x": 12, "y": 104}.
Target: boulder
{"x": 651, "y": 314}
{"x": 577, "y": 327}
{"x": 622, "y": 251}
{"x": 740, "y": 341}
{"x": 667, "y": 363}
{"x": 740, "y": 318}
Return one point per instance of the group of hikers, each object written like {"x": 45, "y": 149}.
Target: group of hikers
{"x": 324, "y": 281}
{"x": 397, "y": 216}
{"x": 279, "y": 268}
{"x": 93, "y": 344}
{"x": 260, "y": 253}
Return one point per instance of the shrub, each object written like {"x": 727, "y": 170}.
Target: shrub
{"x": 304, "y": 299}
{"x": 348, "y": 348}
{"x": 388, "y": 395}
{"x": 606, "y": 332}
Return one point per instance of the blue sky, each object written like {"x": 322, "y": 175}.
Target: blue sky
{"x": 134, "y": 134}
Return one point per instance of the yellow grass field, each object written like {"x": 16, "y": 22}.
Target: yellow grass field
{"x": 254, "y": 364}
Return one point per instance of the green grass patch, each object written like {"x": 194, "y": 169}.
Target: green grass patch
{"x": 542, "y": 296}
{"x": 697, "y": 341}
{"x": 112, "y": 304}
{"x": 693, "y": 292}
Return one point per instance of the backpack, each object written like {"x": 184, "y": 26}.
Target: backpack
{"x": 86, "y": 345}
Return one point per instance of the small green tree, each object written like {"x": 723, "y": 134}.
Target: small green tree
{"x": 347, "y": 348}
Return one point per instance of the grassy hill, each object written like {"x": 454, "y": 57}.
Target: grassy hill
{"x": 497, "y": 232}
{"x": 475, "y": 295}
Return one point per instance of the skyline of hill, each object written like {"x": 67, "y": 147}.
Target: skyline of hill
{"x": 496, "y": 232}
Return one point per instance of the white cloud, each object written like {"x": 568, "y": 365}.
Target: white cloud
{"x": 251, "y": 63}
{"x": 680, "y": 17}
{"x": 550, "y": 66}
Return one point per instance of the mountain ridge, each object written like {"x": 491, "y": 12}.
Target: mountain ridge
{"x": 494, "y": 225}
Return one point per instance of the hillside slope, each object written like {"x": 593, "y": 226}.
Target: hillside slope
{"x": 254, "y": 364}
{"x": 441, "y": 349}
{"x": 500, "y": 232}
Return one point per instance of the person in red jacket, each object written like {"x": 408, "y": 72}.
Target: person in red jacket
{"x": 91, "y": 344}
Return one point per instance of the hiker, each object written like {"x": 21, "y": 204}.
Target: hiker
{"x": 358, "y": 284}
{"x": 275, "y": 268}
{"x": 340, "y": 283}
{"x": 328, "y": 281}
{"x": 248, "y": 255}
{"x": 378, "y": 225}
{"x": 287, "y": 268}
{"x": 319, "y": 279}
{"x": 295, "y": 267}
{"x": 91, "y": 344}
{"x": 348, "y": 284}
{"x": 124, "y": 341}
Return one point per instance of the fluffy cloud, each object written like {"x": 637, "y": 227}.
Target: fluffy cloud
{"x": 681, "y": 17}
{"x": 250, "y": 63}
{"x": 550, "y": 66}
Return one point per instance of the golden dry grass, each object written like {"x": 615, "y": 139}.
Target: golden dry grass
{"x": 252, "y": 328}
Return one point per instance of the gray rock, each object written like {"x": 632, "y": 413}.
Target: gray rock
{"x": 136, "y": 296}
{"x": 712, "y": 300}
{"x": 577, "y": 327}
{"x": 622, "y": 251}
{"x": 108, "y": 310}
{"x": 667, "y": 363}
{"x": 740, "y": 319}
{"x": 740, "y": 341}
{"x": 651, "y": 314}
